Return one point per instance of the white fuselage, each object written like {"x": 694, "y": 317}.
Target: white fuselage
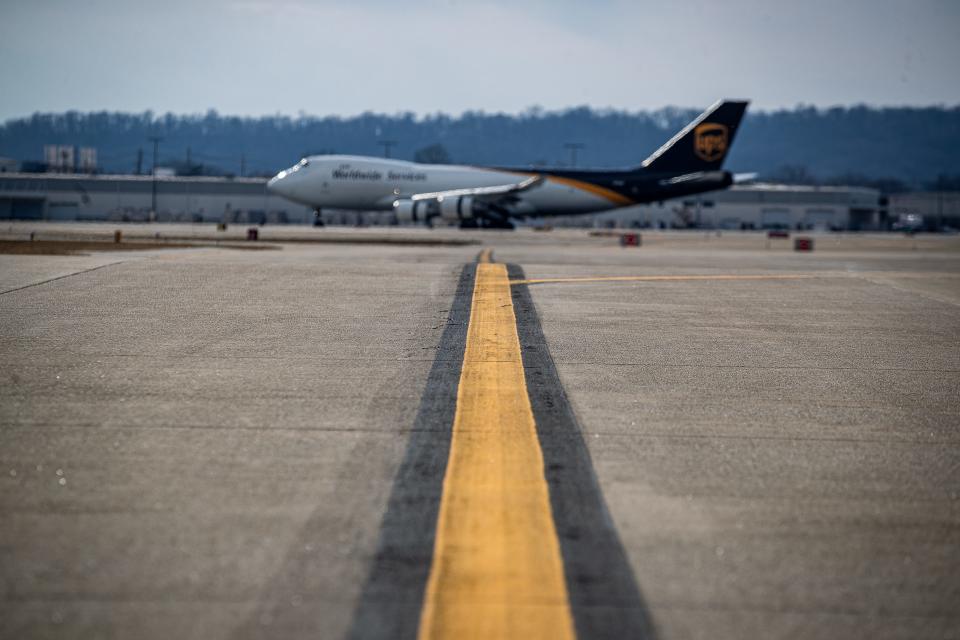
{"x": 374, "y": 184}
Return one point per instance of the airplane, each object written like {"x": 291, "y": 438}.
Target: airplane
{"x": 690, "y": 162}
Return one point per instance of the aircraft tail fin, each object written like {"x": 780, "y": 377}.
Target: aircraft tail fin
{"x": 703, "y": 144}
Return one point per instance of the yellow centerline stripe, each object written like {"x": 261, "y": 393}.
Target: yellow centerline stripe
{"x": 497, "y": 571}
{"x": 486, "y": 255}
{"x": 661, "y": 278}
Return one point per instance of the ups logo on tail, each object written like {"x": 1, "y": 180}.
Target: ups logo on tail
{"x": 710, "y": 141}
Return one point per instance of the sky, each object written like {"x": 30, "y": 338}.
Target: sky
{"x": 259, "y": 57}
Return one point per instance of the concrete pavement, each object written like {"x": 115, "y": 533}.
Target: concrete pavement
{"x": 203, "y": 443}
{"x": 781, "y": 458}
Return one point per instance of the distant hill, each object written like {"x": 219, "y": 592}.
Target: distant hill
{"x": 912, "y": 145}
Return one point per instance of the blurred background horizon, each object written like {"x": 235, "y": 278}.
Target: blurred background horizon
{"x": 290, "y": 57}
{"x": 858, "y": 92}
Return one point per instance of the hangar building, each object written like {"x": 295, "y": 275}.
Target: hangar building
{"x": 764, "y": 206}
{"x": 939, "y": 209}
{"x": 48, "y": 196}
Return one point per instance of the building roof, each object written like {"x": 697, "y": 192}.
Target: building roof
{"x": 801, "y": 188}
{"x": 131, "y": 178}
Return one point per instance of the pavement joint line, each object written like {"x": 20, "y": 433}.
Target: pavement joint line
{"x": 201, "y": 427}
{"x": 881, "y": 282}
{"x": 570, "y": 363}
{"x": 587, "y": 279}
{"x": 325, "y": 597}
{"x": 393, "y": 432}
{"x": 566, "y": 363}
{"x": 66, "y": 275}
{"x": 66, "y": 391}
{"x": 694, "y": 436}
{"x": 830, "y": 611}
{"x": 206, "y": 356}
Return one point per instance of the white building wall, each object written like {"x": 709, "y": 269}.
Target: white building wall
{"x": 244, "y": 200}
{"x": 130, "y": 197}
{"x": 758, "y": 206}
{"x": 938, "y": 208}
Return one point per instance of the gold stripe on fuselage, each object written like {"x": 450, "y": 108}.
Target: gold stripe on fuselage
{"x": 591, "y": 188}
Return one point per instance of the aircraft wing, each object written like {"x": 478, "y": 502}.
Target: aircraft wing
{"x": 483, "y": 193}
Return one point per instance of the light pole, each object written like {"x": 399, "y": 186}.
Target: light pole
{"x": 573, "y": 146}
{"x": 153, "y": 186}
{"x": 387, "y": 144}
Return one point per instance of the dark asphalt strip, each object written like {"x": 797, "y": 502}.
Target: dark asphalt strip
{"x": 393, "y": 593}
{"x": 604, "y": 595}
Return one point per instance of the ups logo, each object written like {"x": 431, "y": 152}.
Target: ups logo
{"x": 710, "y": 141}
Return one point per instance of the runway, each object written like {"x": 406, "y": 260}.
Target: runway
{"x": 534, "y": 434}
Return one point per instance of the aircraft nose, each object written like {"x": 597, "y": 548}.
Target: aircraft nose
{"x": 276, "y": 184}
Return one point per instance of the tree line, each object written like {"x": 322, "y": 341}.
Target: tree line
{"x": 893, "y": 148}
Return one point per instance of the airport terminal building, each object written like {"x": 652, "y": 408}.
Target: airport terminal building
{"x": 50, "y": 196}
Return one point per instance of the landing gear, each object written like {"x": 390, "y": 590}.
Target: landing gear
{"x": 502, "y": 224}
{"x": 489, "y": 220}
{"x": 497, "y": 219}
{"x": 317, "y": 218}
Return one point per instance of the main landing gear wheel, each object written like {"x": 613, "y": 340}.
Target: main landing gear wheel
{"x": 488, "y": 221}
{"x": 502, "y": 224}
{"x": 317, "y": 218}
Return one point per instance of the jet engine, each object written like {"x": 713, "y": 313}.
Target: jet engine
{"x": 414, "y": 210}
{"x": 450, "y": 209}
{"x": 457, "y": 208}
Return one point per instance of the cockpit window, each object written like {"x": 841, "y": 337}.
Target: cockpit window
{"x": 300, "y": 165}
